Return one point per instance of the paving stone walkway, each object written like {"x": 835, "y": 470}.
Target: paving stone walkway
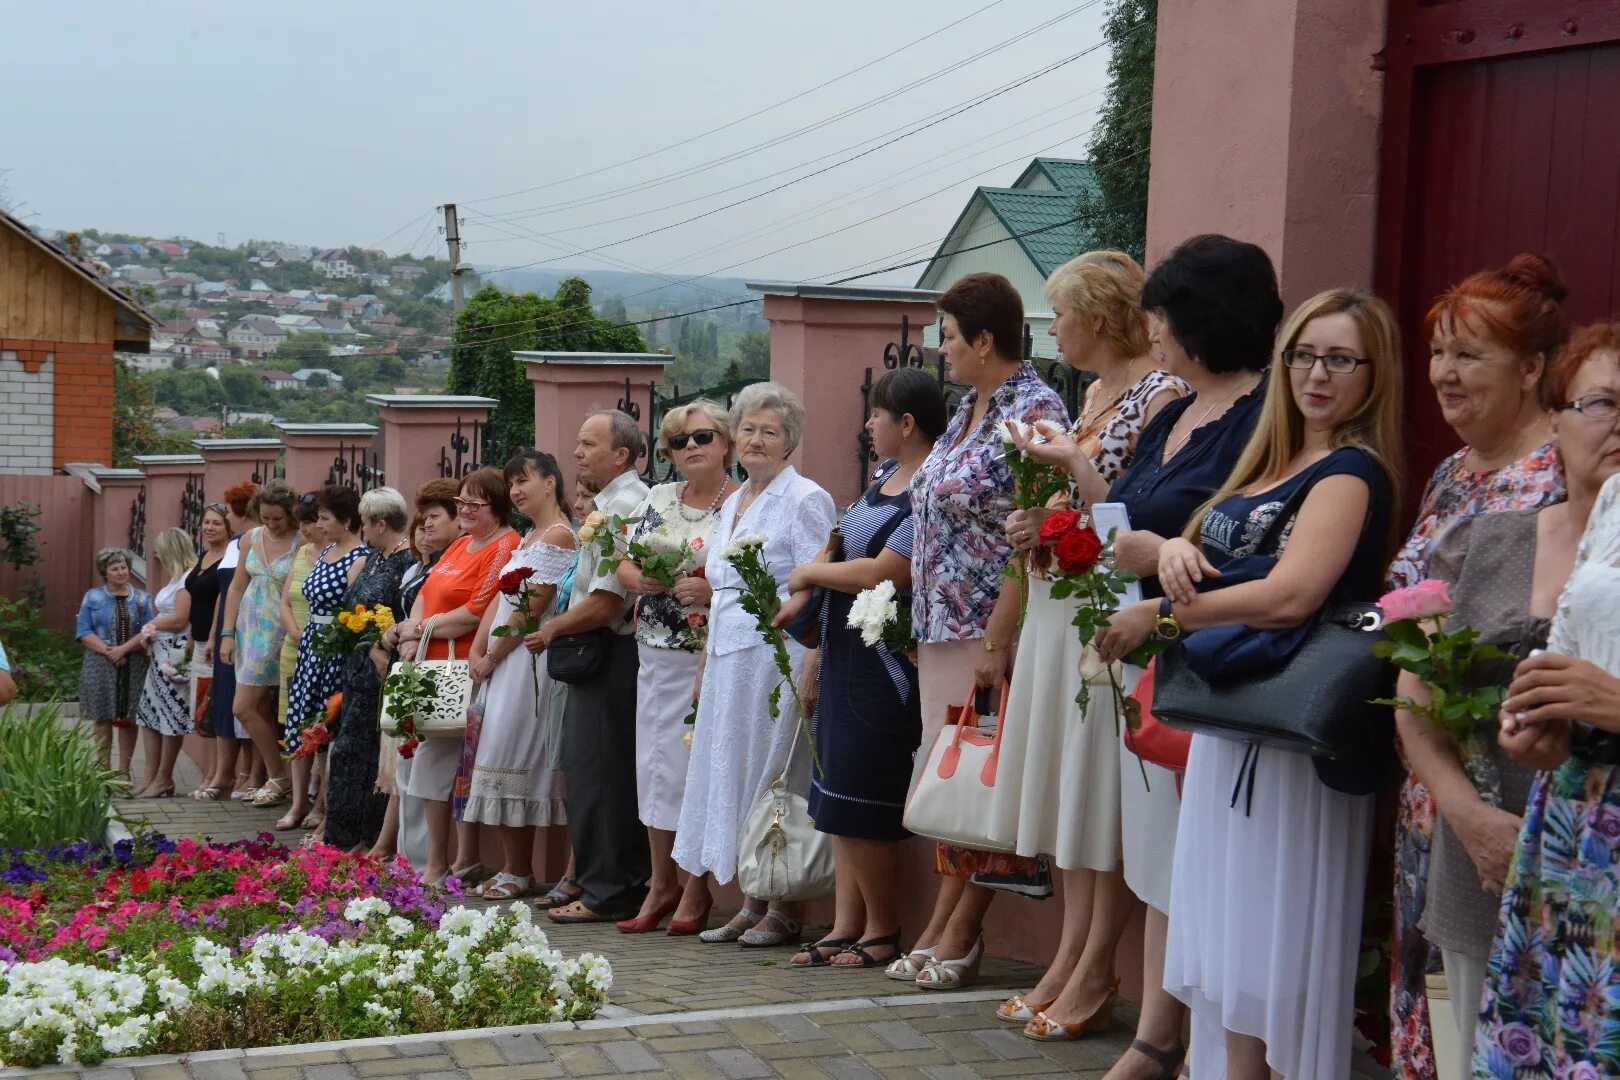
{"x": 679, "y": 1009}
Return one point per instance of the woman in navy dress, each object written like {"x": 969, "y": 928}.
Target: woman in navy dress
{"x": 868, "y": 721}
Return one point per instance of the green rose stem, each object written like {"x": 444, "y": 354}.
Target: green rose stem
{"x": 758, "y": 597}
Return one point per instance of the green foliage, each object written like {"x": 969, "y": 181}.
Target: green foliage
{"x": 135, "y": 429}
{"x": 53, "y": 789}
{"x": 754, "y": 355}
{"x": 308, "y": 349}
{"x": 494, "y": 325}
{"x": 1115, "y": 214}
{"x": 1445, "y": 660}
{"x": 44, "y": 662}
{"x": 18, "y": 528}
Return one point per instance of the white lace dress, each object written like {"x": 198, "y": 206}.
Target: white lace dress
{"x": 513, "y": 783}
{"x": 737, "y": 749}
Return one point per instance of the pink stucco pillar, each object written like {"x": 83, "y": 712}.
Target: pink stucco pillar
{"x": 1265, "y": 127}
{"x": 567, "y": 385}
{"x": 228, "y": 462}
{"x": 166, "y": 478}
{"x": 417, "y": 434}
{"x": 311, "y": 449}
{"x": 116, "y": 493}
{"x": 823, "y": 338}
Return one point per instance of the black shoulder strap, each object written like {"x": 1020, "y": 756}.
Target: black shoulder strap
{"x": 1273, "y": 535}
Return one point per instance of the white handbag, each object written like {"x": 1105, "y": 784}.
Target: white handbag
{"x": 952, "y": 800}
{"x": 782, "y": 856}
{"x": 454, "y": 680}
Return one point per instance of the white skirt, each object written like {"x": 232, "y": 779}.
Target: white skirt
{"x": 511, "y": 785}
{"x": 664, "y": 686}
{"x": 1149, "y": 812}
{"x": 1265, "y": 912}
{"x": 1057, "y": 786}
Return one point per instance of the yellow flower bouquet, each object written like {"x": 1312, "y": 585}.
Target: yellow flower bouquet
{"x": 352, "y": 628}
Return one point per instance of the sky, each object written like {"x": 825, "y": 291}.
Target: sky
{"x": 550, "y": 125}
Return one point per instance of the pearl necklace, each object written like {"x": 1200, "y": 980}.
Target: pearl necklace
{"x": 720, "y": 496}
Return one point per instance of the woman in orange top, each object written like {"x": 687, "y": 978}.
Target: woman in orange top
{"x": 463, "y": 583}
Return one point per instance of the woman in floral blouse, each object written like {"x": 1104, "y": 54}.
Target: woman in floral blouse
{"x": 965, "y": 621}
{"x": 672, "y": 625}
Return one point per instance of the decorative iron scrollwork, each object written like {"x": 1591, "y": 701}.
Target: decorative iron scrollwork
{"x": 355, "y": 467}
{"x": 137, "y": 523}
{"x": 192, "y": 501}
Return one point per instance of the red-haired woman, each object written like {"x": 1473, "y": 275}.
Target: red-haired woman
{"x": 1491, "y": 338}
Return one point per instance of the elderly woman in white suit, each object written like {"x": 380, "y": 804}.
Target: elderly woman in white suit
{"x": 737, "y": 750}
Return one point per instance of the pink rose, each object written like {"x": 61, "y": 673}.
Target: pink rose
{"x": 1424, "y": 600}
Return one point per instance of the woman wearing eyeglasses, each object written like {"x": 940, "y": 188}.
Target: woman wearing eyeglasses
{"x": 462, "y": 586}
{"x": 671, "y": 627}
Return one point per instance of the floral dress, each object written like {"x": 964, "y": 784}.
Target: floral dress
{"x": 1453, "y": 493}
{"x": 259, "y": 632}
{"x": 317, "y": 679}
{"x": 163, "y": 706}
{"x": 1551, "y": 1006}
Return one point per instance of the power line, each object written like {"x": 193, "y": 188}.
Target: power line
{"x": 770, "y": 191}
{"x": 402, "y": 228}
{"x": 742, "y": 119}
{"x": 778, "y": 140}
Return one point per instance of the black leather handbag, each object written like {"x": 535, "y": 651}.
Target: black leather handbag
{"x": 1315, "y": 700}
{"x": 577, "y": 658}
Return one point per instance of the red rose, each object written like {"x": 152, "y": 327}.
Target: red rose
{"x": 407, "y": 748}
{"x": 1056, "y": 525}
{"x": 695, "y": 620}
{"x": 1076, "y": 552}
{"x": 512, "y": 581}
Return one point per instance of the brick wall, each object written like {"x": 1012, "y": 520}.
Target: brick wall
{"x": 27, "y": 410}
{"x": 84, "y": 403}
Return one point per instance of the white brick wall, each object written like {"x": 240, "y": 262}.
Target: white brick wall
{"x": 27, "y": 408}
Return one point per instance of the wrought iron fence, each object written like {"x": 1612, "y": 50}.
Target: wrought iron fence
{"x": 471, "y": 448}
{"x": 355, "y": 466}
{"x": 268, "y": 469}
{"x": 192, "y": 501}
{"x": 137, "y": 523}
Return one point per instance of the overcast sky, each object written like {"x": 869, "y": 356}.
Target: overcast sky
{"x": 347, "y": 123}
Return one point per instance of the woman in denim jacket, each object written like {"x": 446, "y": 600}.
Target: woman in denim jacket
{"x": 109, "y": 627}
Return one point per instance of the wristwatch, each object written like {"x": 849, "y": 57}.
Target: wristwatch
{"x": 1165, "y": 626}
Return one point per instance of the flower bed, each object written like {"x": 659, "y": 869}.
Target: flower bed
{"x": 156, "y": 946}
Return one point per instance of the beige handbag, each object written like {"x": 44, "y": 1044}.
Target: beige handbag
{"x": 454, "y": 678}
{"x": 782, "y": 856}
{"x": 952, "y": 800}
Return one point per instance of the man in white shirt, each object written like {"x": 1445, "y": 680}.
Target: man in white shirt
{"x": 599, "y": 723}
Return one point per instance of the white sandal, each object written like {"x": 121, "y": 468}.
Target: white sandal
{"x": 952, "y": 974}
{"x": 504, "y": 886}
{"x": 728, "y": 933}
{"x": 906, "y": 968}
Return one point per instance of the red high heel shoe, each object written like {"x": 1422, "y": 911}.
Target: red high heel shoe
{"x": 688, "y": 927}
{"x": 646, "y": 924}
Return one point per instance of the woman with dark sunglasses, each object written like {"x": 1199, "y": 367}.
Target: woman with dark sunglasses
{"x": 671, "y": 626}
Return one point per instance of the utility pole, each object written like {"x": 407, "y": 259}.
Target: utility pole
{"x": 452, "y": 236}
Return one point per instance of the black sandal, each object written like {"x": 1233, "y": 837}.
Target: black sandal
{"x": 838, "y": 945}
{"x": 858, "y": 949}
{"x": 1168, "y": 1060}
{"x": 560, "y": 895}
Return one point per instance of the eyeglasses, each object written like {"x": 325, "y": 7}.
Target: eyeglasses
{"x": 702, "y": 436}
{"x": 1335, "y": 363}
{"x": 469, "y": 506}
{"x": 1594, "y": 407}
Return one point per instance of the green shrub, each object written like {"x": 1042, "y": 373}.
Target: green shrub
{"x": 53, "y": 789}
{"x": 44, "y": 662}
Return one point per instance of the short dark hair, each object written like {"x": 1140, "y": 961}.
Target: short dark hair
{"x": 912, "y": 391}
{"x": 983, "y": 303}
{"x": 488, "y": 484}
{"x": 543, "y": 464}
{"x": 1220, "y": 299}
{"x": 441, "y": 493}
{"x": 343, "y": 503}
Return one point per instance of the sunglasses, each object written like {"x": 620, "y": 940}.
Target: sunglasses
{"x": 703, "y": 437}
{"x": 307, "y": 499}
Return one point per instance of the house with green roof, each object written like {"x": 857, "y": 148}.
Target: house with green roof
{"x": 1023, "y": 232}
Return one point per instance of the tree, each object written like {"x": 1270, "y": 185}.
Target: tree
{"x": 614, "y": 311}
{"x": 1114, "y": 214}
{"x": 135, "y": 429}
{"x": 308, "y": 349}
{"x": 754, "y": 355}
{"x": 242, "y": 387}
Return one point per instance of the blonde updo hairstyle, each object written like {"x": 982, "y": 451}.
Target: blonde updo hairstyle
{"x": 1105, "y": 287}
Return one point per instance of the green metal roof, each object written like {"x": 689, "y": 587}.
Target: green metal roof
{"x": 1068, "y": 175}
{"x": 1052, "y": 238}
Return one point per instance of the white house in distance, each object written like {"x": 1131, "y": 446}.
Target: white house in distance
{"x": 335, "y": 263}
{"x": 1025, "y": 232}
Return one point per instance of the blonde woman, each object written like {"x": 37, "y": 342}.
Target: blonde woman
{"x": 1060, "y": 795}
{"x": 671, "y": 627}
{"x": 164, "y": 715}
{"x": 1265, "y": 908}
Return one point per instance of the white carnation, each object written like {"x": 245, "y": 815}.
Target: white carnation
{"x": 873, "y": 610}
